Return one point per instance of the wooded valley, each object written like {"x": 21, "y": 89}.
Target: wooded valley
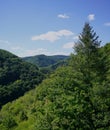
{"x": 67, "y": 93}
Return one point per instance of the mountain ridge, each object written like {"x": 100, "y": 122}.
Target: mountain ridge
{"x": 44, "y": 60}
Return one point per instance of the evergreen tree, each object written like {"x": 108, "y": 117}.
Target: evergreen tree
{"x": 86, "y": 61}
{"x": 88, "y": 41}
{"x": 87, "y": 53}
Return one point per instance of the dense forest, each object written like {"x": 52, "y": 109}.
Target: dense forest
{"x": 16, "y": 77}
{"x": 73, "y": 97}
{"x": 47, "y": 64}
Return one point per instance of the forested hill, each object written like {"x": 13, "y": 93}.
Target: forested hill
{"x": 64, "y": 101}
{"x": 73, "y": 97}
{"x": 16, "y": 77}
{"x": 44, "y": 61}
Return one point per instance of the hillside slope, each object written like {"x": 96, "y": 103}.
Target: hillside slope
{"x": 16, "y": 77}
{"x": 44, "y": 61}
{"x": 64, "y": 101}
{"x": 74, "y": 97}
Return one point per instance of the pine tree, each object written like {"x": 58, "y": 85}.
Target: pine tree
{"x": 88, "y": 41}
{"x": 87, "y": 50}
{"x": 86, "y": 61}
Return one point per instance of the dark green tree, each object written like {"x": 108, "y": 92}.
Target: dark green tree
{"x": 86, "y": 61}
{"x": 87, "y": 56}
{"x": 93, "y": 62}
{"x": 88, "y": 41}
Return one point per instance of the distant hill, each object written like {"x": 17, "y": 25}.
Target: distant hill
{"x": 45, "y": 61}
{"x": 16, "y": 76}
{"x": 51, "y": 68}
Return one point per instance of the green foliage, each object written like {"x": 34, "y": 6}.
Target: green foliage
{"x": 9, "y": 122}
{"x": 51, "y": 68}
{"x": 16, "y": 77}
{"x": 88, "y": 41}
{"x": 74, "y": 97}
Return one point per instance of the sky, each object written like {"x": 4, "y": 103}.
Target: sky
{"x": 50, "y": 27}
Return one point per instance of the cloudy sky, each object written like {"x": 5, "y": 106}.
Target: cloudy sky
{"x": 51, "y": 27}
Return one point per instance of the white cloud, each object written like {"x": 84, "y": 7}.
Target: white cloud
{"x": 91, "y": 17}
{"x": 69, "y": 45}
{"x": 63, "y": 16}
{"x": 52, "y": 35}
{"x": 107, "y": 24}
{"x": 22, "y": 52}
{"x": 33, "y": 52}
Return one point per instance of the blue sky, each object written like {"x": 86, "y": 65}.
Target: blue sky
{"x": 51, "y": 27}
